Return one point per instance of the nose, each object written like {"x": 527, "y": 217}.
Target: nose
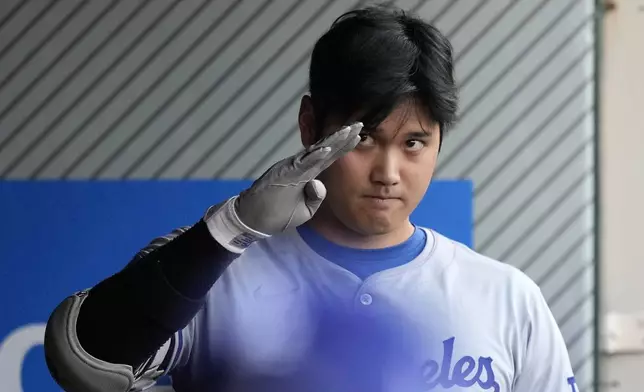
{"x": 386, "y": 169}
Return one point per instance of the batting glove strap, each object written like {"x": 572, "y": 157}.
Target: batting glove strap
{"x": 226, "y": 227}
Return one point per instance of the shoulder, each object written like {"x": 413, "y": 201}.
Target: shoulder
{"x": 270, "y": 261}
{"x": 473, "y": 269}
{"x": 277, "y": 248}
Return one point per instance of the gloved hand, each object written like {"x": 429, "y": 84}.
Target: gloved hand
{"x": 285, "y": 196}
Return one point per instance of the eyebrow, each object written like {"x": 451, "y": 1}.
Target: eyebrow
{"x": 419, "y": 134}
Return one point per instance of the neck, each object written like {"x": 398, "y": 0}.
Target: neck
{"x": 335, "y": 231}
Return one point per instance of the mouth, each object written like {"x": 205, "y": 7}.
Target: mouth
{"x": 379, "y": 197}
{"x": 381, "y": 201}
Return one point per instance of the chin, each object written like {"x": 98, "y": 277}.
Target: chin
{"x": 373, "y": 225}
{"x": 368, "y": 222}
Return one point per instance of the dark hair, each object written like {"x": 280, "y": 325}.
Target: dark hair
{"x": 372, "y": 59}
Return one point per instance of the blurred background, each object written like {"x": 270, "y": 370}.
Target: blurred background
{"x": 122, "y": 118}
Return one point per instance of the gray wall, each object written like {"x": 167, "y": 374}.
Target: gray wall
{"x": 210, "y": 89}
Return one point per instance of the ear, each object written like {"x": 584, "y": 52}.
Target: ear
{"x": 306, "y": 120}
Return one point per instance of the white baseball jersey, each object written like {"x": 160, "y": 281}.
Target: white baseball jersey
{"x": 479, "y": 325}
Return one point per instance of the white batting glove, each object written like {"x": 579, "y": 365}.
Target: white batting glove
{"x": 285, "y": 196}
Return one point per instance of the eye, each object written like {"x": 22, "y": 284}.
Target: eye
{"x": 366, "y": 140}
{"x": 414, "y": 145}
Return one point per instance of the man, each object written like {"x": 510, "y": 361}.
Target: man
{"x": 314, "y": 278}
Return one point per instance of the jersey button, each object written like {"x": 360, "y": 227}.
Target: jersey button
{"x": 366, "y": 299}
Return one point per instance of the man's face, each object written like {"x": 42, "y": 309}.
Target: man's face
{"x": 374, "y": 188}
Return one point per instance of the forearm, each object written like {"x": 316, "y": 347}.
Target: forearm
{"x": 128, "y": 316}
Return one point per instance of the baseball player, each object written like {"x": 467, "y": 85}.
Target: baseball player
{"x": 314, "y": 278}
